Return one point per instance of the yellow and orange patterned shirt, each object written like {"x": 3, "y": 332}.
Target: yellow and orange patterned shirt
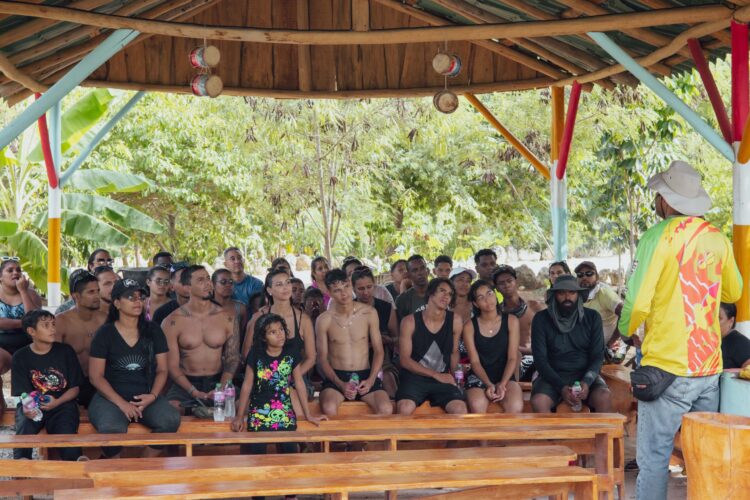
{"x": 683, "y": 269}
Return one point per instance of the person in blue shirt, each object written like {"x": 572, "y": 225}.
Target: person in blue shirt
{"x": 244, "y": 284}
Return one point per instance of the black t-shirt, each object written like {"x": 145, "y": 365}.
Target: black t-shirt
{"x": 127, "y": 368}
{"x": 735, "y": 350}
{"x": 270, "y": 400}
{"x": 164, "y": 311}
{"x": 52, "y": 373}
{"x": 409, "y": 302}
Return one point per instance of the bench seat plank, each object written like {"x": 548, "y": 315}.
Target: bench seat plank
{"x": 139, "y": 471}
{"x": 345, "y": 484}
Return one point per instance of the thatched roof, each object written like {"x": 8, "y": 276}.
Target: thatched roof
{"x": 41, "y": 45}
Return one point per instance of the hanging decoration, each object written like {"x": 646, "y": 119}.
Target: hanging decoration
{"x": 448, "y": 65}
{"x": 204, "y": 84}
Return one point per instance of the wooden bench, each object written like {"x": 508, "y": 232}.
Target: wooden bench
{"x": 484, "y": 484}
{"x": 596, "y": 434}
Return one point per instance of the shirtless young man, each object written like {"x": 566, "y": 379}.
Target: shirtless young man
{"x": 504, "y": 279}
{"x": 345, "y": 333}
{"x": 76, "y": 327}
{"x": 203, "y": 340}
{"x": 428, "y": 347}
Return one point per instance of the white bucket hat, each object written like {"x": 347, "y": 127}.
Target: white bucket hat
{"x": 680, "y": 185}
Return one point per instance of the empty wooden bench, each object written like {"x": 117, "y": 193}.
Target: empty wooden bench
{"x": 483, "y": 484}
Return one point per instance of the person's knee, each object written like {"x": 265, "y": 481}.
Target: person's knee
{"x": 110, "y": 426}
{"x": 541, "y": 403}
{"x": 477, "y": 404}
{"x": 456, "y": 407}
{"x": 513, "y": 405}
{"x": 384, "y": 408}
{"x": 406, "y": 407}
{"x": 6, "y": 360}
{"x": 329, "y": 406}
{"x": 601, "y": 401}
{"x": 169, "y": 420}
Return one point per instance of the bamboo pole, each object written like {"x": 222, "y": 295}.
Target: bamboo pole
{"x": 495, "y": 47}
{"x": 477, "y": 15}
{"x": 518, "y": 145}
{"x": 400, "y": 35}
{"x": 657, "y": 55}
{"x": 479, "y": 88}
{"x": 19, "y": 76}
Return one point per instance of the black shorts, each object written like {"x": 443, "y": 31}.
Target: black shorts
{"x": 420, "y": 389}
{"x": 474, "y": 382}
{"x": 345, "y": 375}
{"x": 205, "y": 383}
{"x": 541, "y": 386}
{"x": 13, "y": 340}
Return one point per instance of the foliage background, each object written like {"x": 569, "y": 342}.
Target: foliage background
{"x": 391, "y": 177}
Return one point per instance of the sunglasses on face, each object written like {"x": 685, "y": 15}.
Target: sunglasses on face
{"x": 226, "y": 281}
{"x": 161, "y": 281}
{"x": 588, "y": 274}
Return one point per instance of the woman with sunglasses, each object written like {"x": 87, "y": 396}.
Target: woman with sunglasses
{"x": 158, "y": 286}
{"x": 128, "y": 368}
{"x": 16, "y": 299}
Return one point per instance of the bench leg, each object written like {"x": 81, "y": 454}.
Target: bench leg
{"x": 586, "y": 491}
{"x": 391, "y": 495}
{"x": 604, "y": 456}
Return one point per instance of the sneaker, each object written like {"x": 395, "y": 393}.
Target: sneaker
{"x": 632, "y": 465}
{"x": 82, "y": 458}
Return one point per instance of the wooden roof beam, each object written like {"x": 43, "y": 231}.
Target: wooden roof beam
{"x": 668, "y": 50}
{"x": 529, "y": 29}
{"x": 19, "y": 76}
{"x": 655, "y": 39}
{"x": 304, "y": 59}
{"x": 477, "y": 15}
{"x": 495, "y": 47}
{"x": 55, "y": 64}
{"x": 35, "y": 26}
{"x": 663, "y": 4}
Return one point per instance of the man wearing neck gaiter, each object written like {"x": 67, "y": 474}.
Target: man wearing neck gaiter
{"x": 568, "y": 346}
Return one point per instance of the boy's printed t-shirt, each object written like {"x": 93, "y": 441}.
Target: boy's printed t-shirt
{"x": 52, "y": 373}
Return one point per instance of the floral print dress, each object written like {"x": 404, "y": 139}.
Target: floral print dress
{"x": 270, "y": 400}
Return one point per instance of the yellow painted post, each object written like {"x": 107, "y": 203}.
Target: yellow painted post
{"x": 558, "y": 199}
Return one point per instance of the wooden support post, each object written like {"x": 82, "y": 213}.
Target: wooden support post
{"x": 558, "y": 191}
{"x": 520, "y": 147}
{"x": 701, "y": 64}
{"x": 739, "y": 78}
{"x": 570, "y": 123}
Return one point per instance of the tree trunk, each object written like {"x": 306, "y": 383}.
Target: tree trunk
{"x": 322, "y": 193}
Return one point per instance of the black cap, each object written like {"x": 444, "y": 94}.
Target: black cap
{"x": 504, "y": 269}
{"x": 125, "y": 286}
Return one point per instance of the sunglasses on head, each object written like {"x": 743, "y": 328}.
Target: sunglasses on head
{"x": 109, "y": 261}
{"x": 8, "y": 257}
{"x": 588, "y": 274}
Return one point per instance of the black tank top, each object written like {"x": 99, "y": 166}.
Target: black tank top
{"x": 297, "y": 342}
{"x": 433, "y": 350}
{"x": 493, "y": 351}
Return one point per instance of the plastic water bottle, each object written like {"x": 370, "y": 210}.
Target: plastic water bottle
{"x": 218, "y": 404}
{"x": 31, "y": 406}
{"x": 576, "y": 390}
{"x": 229, "y": 395}
{"x": 459, "y": 376}
{"x": 353, "y": 384}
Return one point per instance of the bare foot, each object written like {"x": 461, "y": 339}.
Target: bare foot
{"x": 149, "y": 452}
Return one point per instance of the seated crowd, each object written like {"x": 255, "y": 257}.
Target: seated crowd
{"x": 462, "y": 340}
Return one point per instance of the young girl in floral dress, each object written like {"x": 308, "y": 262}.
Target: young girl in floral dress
{"x": 265, "y": 399}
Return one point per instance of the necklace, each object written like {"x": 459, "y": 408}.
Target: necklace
{"x": 518, "y": 311}
{"x": 493, "y": 330}
{"x": 348, "y": 323}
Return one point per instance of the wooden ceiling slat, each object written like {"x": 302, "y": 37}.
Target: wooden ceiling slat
{"x": 322, "y": 56}
{"x": 257, "y": 68}
{"x": 284, "y": 16}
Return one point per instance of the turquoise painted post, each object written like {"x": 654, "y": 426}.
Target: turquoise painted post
{"x": 87, "y": 65}
{"x": 667, "y": 96}
{"x": 99, "y": 136}
{"x": 559, "y": 212}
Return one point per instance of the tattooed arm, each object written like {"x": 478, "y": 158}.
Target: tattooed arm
{"x": 230, "y": 357}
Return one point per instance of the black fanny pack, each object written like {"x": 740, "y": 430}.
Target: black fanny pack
{"x": 649, "y": 382}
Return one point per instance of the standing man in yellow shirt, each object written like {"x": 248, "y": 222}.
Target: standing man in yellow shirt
{"x": 683, "y": 269}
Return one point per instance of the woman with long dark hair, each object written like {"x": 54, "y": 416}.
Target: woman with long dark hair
{"x": 491, "y": 339}
{"x": 128, "y": 368}
{"x": 17, "y": 298}
{"x": 318, "y": 269}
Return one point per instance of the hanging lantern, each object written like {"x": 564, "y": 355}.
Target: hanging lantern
{"x": 445, "y": 101}
{"x": 207, "y": 56}
{"x": 207, "y": 85}
{"x": 447, "y": 64}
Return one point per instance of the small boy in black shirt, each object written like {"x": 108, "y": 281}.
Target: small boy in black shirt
{"x": 51, "y": 369}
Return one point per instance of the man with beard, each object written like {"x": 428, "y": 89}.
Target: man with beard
{"x": 415, "y": 298}
{"x": 181, "y": 293}
{"x": 568, "y": 347}
{"x": 602, "y": 299}
{"x": 76, "y": 327}
{"x": 203, "y": 340}
{"x": 107, "y": 278}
